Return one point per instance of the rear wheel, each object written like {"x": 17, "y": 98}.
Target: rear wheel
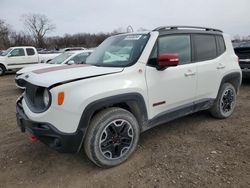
{"x": 111, "y": 137}
{"x": 2, "y": 70}
{"x": 225, "y": 103}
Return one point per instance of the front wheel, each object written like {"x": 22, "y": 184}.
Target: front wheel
{"x": 2, "y": 70}
{"x": 225, "y": 103}
{"x": 112, "y": 137}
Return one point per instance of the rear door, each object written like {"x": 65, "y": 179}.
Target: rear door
{"x": 209, "y": 56}
{"x": 173, "y": 87}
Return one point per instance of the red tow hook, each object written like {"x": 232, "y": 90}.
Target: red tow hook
{"x": 33, "y": 139}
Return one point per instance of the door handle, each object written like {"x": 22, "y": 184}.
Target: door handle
{"x": 189, "y": 73}
{"x": 221, "y": 66}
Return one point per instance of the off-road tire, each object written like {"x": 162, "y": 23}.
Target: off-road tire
{"x": 98, "y": 127}
{"x": 2, "y": 70}
{"x": 217, "y": 108}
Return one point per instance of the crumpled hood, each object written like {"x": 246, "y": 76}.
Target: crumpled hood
{"x": 47, "y": 77}
{"x": 35, "y": 67}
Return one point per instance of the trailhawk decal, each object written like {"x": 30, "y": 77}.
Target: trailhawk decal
{"x": 52, "y": 69}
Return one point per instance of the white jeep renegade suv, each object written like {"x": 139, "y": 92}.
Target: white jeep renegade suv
{"x": 131, "y": 83}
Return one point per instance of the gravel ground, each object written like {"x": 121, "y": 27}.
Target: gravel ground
{"x": 194, "y": 151}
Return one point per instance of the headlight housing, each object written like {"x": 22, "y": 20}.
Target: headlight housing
{"x": 37, "y": 98}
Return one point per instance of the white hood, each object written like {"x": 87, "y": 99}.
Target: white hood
{"x": 49, "y": 76}
{"x": 35, "y": 67}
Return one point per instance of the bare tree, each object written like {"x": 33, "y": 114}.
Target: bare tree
{"x": 4, "y": 35}
{"x": 21, "y": 39}
{"x": 38, "y": 25}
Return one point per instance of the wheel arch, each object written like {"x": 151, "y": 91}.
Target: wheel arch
{"x": 4, "y": 68}
{"x": 232, "y": 78}
{"x": 2, "y": 64}
{"x": 133, "y": 102}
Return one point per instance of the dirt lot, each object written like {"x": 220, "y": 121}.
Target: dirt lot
{"x": 194, "y": 151}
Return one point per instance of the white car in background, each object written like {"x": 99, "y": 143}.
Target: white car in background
{"x": 68, "y": 58}
{"x": 19, "y": 57}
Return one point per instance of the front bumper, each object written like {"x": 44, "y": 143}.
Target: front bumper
{"x": 47, "y": 133}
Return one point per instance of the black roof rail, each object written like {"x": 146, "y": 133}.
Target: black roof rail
{"x": 185, "y": 27}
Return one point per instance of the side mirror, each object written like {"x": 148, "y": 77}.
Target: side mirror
{"x": 167, "y": 60}
{"x": 71, "y": 62}
{"x": 9, "y": 55}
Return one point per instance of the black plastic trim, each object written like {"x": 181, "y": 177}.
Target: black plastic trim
{"x": 127, "y": 98}
{"x": 180, "y": 27}
{"x": 235, "y": 77}
{"x": 178, "y": 112}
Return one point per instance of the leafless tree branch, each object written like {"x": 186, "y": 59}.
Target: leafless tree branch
{"x": 38, "y": 25}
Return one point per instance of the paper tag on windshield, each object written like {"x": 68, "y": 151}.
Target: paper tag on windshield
{"x": 132, "y": 37}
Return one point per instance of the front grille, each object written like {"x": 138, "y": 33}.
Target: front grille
{"x": 20, "y": 82}
{"x": 30, "y": 93}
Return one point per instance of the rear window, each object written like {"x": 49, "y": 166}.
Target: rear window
{"x": 30, "y": 51}
{"x": 220, "y": 45}
{"x": 205, "y": 47}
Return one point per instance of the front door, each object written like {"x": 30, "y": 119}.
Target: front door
{"x": 16, "y": 58}
{"x": 174, "y": 87}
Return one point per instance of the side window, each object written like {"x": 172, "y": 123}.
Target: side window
{"x": 205, "y": 47}
{"x": 17, "y": 52}
{"x": 221, "y": 47}
{"x": 177, "y": 44}
{"x": 30, "y": 51}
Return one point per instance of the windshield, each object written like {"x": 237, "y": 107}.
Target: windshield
{"x": 246, "y": 44}
{"x": 6, "y": 52}
{"x": 61, "y": 58}
{"x": 119, "y": 51}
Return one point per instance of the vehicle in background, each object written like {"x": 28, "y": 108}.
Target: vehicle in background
{"x": 72, "y": 49}
{"x": 243, "y": 52}
{"x": 16, "y": 58}
{"x": 69, "y": 58}
{"x": 45, "y": 51}
{"x": 236, "y": 44}
{"x": 1, "y": 51}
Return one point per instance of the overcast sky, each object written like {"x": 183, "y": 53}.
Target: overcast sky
{"x": 76, "y": 16}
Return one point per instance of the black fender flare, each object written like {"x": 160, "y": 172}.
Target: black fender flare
{"x": 234, "y": 78}
{"x": 134, "y": 101}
